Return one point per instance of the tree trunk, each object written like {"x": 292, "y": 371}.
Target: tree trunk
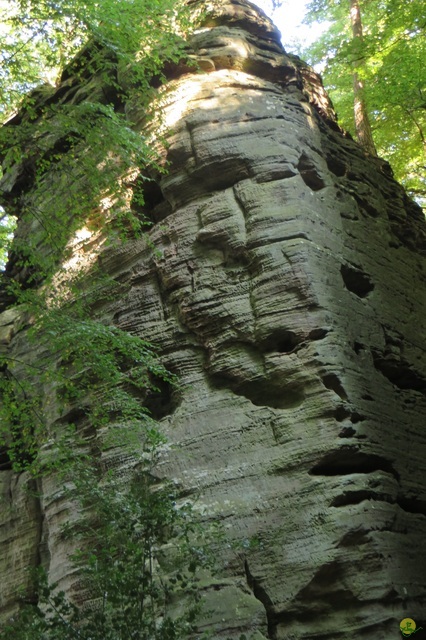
{"x": 362, "y": 121}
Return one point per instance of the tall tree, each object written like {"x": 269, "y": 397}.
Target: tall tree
{"x": 362, "y": 121}
{"x": 389, "y": 63}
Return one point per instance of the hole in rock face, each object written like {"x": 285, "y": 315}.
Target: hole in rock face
{"x": 336, "y": 166}
{"x": 391, "y": 596}
{"x": 358, "y": 347}
{"x": 341, "y": 413}
{"x": 268, "y": 396}
{"x": 353, "y": 497}
{"x": 399, "y": 372}
{"x": 310, "y": 174}
{"x": 326, "y": 587}
{"x": 245, "y": 373}
{"x": 152, "y": 194}
{"x": 348, "y": 460}
{"x": 147, "y": 197}
{"x": 332, "y": 382}
{"x": 281, "y": 341}
{"x": 347, "y": 432}
{"x": 161, "y": 401}
{"x": 412, "y": 505}
{"x": 356, "y": 281}
{"x": 365, "y": 206}
{"x": 75, "y": 416}
{"x": 317, "y": 334}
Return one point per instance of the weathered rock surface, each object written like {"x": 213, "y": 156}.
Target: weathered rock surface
{"x": 289, "y": 296}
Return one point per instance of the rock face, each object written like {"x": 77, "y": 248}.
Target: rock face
{"x": 289, "y": 296}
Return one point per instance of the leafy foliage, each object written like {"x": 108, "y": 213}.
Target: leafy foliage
{"x": 105, "y": 55}
{"x": 103, "y": 376}
{"x": 87, "y": 389}
{"x": 136, "y": 553}
{"x": 40, "y": 38}
{"x": 392, "y": 51}
{"x": 136, "y": 549}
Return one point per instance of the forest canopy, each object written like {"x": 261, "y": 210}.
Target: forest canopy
{"x": 389, "y": 55}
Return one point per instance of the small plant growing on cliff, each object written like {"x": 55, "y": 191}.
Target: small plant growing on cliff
{"x": 135, "y": 553}
{"x": 90, "y": 370}
{"x": 135, "y": 557}
{"x": 135, "y": 550}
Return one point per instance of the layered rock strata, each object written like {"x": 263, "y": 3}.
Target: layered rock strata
{"x": 288, "y": 293}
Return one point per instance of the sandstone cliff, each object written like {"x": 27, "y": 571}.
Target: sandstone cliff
{"x": 289, "y": 296}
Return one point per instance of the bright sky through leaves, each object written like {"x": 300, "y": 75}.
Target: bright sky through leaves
{"x": 288, "y": 19}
